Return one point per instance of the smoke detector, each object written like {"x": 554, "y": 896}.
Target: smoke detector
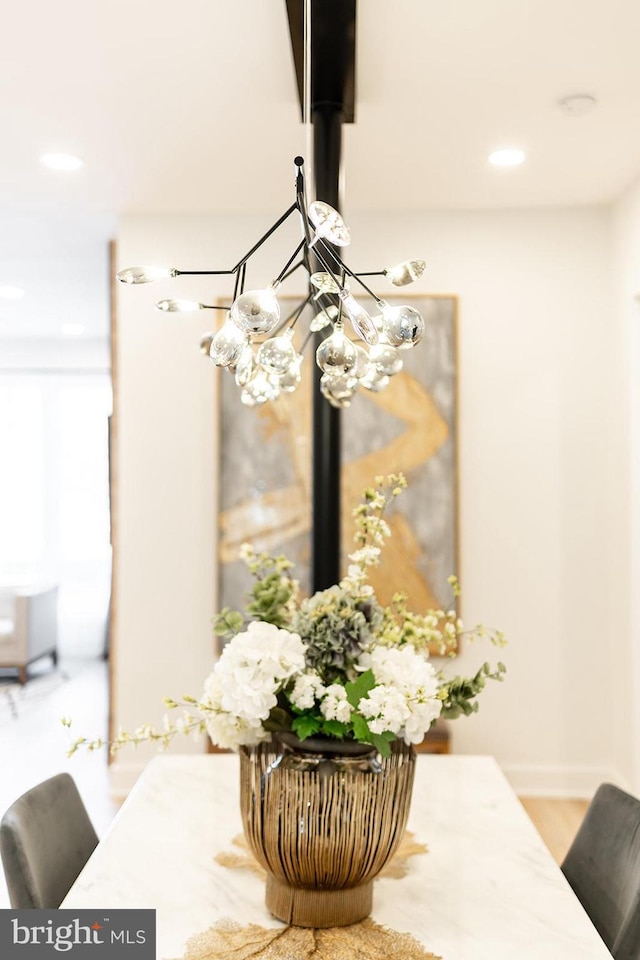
{"x": 577, "y": 105}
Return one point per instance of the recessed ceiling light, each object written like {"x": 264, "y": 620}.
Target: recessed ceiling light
{"x": 72, "y": 329}
{"x": 11, "y": 293}
{"x": 577, "y": 105}
{"x": 509, "y": 157}
{"x": 61, "y": 161}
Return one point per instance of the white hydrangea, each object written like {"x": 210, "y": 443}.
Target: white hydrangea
{"x": 306, "y": 690}
{"x": 240, "y": 693}
{"x": 334, "y": 705}
{"x": 231, "y": 732}
{"x": 385, "y": 708}
{"x": 405, "y": 698}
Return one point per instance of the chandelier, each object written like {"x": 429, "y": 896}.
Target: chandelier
{"x": 256, "y": 343}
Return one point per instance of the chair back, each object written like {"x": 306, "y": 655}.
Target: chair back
{"x": 46, "y": 837}
{"x": 603, "y": 868}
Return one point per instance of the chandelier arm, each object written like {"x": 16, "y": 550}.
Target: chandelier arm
{"x": 238, "y": 287}
{"x": 323, "y": 263}
{"x": 297, "y": 313}
{"x": 270, "y": 231}
{"x": 329, "y": 299}
{"x": 308, "y": 337}
{"x": 318, "y": 239}
{"x": 349, "y": 272}
{"x": 305, "y": 257}
{"x": 364, "y": 286}
{"x": 371, "y": 273}
{"x": 304, "y": 219}
{"x": 301, "y": 201}
{"x": 204, "y": 273}
{"x": 283, "y": 272}
{"x": 328, "y": 249}
{"x": 292, "y": 318}
{"x": 300, "y": 263}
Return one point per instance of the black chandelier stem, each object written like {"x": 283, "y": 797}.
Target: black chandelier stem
{"x": 326, "y": 472}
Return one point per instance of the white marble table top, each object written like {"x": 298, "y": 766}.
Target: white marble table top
{"x": 488, "y": 889}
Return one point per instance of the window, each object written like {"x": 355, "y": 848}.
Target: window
{"x": 54, "y": 494}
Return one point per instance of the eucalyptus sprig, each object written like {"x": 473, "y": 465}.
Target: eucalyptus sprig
{"x": 272, "y": 596}
{"x": 458, "y": 694}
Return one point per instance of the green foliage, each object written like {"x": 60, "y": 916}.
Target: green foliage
{"x": 270, "y": 599}
{"x": 306, "y": 725}
{"x": 335, "y": 728}
{"x": 359, "y": 689}
{"x": 337, "y": 627}
{"x": 458, "y": 694}
{"x": 361, "y": 730}
{"x": 227, "y": 623}
{"x": 382, "y": 742}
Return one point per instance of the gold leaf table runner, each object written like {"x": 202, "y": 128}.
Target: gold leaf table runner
{"x": 366, "y": 940}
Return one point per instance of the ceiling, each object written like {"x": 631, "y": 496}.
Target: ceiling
{"x": 193, "y": 109}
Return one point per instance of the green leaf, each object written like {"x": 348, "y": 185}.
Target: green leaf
{"x": 360, "y": 688}
{"x": 334, "y": 728}
{"x": 305, "y": 726}
{"x": 361, "y": 729}
{"x": 381, "y": 743}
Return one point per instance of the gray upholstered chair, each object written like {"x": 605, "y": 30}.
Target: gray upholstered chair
{"x": 603, "y": 867}
{"x": 46, "y": 838}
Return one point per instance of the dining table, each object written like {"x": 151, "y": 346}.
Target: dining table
{"x": 485, "y": 888}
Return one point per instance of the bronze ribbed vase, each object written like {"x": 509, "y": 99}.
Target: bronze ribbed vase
{"x": 323, "y": 818}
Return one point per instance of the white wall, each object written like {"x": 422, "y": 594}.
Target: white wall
{"x": 166, "y": 496}
{"x": 538, "y": 428}
{"x": 626, "y": 263}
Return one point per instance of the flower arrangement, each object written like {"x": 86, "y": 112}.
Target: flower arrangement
{"x": 337, "y": 664}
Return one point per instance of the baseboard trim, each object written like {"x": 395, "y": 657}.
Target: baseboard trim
{"x": 546, "y": 780}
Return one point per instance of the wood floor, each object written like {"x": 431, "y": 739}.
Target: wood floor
{"x": 556, "y": 821}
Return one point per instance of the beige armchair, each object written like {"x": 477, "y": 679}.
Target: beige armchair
{"x": 28, "y": 627}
